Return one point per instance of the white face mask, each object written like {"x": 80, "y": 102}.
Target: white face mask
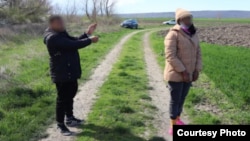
{"x": 184, "y": 26}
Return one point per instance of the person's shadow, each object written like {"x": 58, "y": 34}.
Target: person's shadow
{"x": 100, "y": 133}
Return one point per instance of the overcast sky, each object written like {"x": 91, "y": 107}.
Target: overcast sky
{"x": 142, "y": 6}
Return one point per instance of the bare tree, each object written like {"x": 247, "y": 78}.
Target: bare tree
{"x": 95, "y": 8}
{"x": 86, "y": 8}
{"x": 109, "y": 7}
{"x": 101, "y": 7}
{"x": 3, "y": 3}
{"x": 91, "y": 9}
{"x": 71, "y": 9}
{"x": 57, "y": 10}
{"x": 23, "y": 10}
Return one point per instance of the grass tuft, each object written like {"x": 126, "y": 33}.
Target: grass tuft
{"x": 146, "y": 97}
{"x": 121, "y": 130}
{"x": 205, "y": 118}
{"x": 125, "y": 109}
{"x": 2, "y": 114}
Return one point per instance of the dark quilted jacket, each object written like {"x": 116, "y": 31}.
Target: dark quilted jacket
{"x": 64, "y": 57}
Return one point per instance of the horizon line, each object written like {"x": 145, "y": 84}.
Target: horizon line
{"x": 190, "y": 11}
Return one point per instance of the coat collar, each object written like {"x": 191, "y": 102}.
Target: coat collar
{"x": 179, "y": 29}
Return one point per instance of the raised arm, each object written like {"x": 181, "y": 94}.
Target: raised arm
{"x": 90, "y": 31}
{"x": 65, "y": 44}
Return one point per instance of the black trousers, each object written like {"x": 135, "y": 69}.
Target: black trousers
{"x": 178, "y": 91}
{"x": 66, "y": 92}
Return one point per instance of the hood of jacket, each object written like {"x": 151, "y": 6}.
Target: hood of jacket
{"x": 48, "y": 34}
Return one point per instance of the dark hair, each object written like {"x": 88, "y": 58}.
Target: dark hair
{"x": 53, "y": 18}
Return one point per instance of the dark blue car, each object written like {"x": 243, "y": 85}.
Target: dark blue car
{"x": 131, "y": 23}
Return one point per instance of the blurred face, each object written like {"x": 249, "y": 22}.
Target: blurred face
{"x": 57, "y": 25}
{"x": 188, "y": 21}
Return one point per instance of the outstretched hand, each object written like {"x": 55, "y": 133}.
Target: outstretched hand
{"x": 92, "y": 29}
{"x": 94, "y": 39}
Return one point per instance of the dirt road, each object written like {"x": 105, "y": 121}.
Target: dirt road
{"x": 86, "y": 96}
{"x": 159, "y": 93}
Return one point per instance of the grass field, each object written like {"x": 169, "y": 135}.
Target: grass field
{"x": 153, "y": 22}
{"x": 123, "y": 112}
{"x": 27, "y": 96}
{"x": 221, "y": 96}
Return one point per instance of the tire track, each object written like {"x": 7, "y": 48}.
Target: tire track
{"x": 86, "y": 95}
{"x": 159, "y": 93}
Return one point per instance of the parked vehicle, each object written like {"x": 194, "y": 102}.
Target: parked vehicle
{"x": 3, "y": 22}
{"x": 131, "y": 23}
{"x": 170, "y": 22}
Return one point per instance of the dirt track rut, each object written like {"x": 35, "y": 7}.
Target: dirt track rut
{"x": 86, "y": 96}
{"x": 159, "y": 93}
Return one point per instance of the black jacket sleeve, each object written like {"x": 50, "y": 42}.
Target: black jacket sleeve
{"x": 83, "y": 36}
{"x": 66, "y": 44}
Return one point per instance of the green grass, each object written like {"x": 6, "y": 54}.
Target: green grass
{"x": 123, "y": 111}
{"x": 228, "y": 68}
{"x": 221, "y": 96}
{"x": 27, "y": 95}
{"x": 199, "y": 22}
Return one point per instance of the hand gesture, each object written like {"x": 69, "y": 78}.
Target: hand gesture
{"x": 94, "y": 39}
{"x": 91, "y": 29}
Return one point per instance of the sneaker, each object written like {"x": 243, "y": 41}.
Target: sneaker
{"x": 180, "y": 122}
{"x": 170, "y": 131}
{"x": 73, "y": 122}
{"x": 64, "y": 130}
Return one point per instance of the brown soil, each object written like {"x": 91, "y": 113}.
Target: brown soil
{"x": 231, "y": 35}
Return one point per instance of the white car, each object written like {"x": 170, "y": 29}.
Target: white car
{"x": 171, "y": 22}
